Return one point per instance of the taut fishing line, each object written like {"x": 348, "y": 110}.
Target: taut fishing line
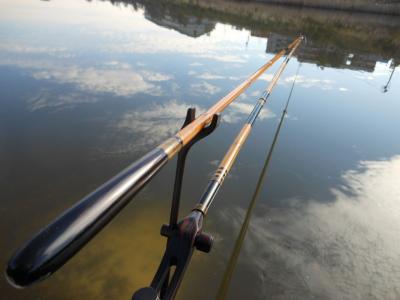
{"x": 224, "y": 286}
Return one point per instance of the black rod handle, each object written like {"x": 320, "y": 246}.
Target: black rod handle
{"x": 55, "y": 244}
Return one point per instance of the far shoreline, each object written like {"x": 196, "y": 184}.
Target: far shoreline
{"x": 381, "y": 7}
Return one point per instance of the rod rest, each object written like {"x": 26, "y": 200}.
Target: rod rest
{"x": 182, "y": 239}
{"x": 183, "y": 236}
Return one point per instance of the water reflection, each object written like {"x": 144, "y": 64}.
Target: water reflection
{"x": 371, "y": 38}
{"x": 346, "y": 249}
{"x": 113, "y": 77}
{"x": 84, "y": 96}
{"x": 152, "y": 125}
{"x": 48, "y": 99}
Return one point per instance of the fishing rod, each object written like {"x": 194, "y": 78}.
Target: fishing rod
{"x": 226, "y": 279}
{"x": 55, "y": 244}
{"x": 186, "y": 235}
{"x": 227, "y": 162}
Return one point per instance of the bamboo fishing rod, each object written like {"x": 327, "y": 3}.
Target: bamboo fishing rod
{"x": 187, "y": 234}
{"x": 226, "y": 279}
{"x": 230, "y": 157}
{"x": 55, "y": 244}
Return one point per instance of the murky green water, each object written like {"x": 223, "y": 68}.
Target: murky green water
{"x": 88, "y": 87}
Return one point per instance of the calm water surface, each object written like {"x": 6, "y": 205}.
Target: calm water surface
{"x": 88, "y": 87}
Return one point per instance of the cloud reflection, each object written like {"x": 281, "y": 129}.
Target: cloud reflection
{"x": 345, "y": 249}
{"x": 15, "y": 48}
{"x": 161, "y": 41}
{"x": 120, "y": 82}
{"x": 237, "y": 111}
{"x": 210, "y": 76}
{"x": 154, "y": 124}
{"x": 204, "y": 87}
{"x": 305, "y": 82}
{"x": 308, "y": 82}
{"x": 48, "y": 99}
{"x": 114, "y": 77}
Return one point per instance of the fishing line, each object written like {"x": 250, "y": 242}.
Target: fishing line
{"x": 224, "y": 286}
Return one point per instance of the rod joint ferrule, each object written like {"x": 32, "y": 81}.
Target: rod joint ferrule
{"x": 200, "y": 208}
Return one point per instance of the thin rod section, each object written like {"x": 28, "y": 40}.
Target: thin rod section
{"x": 230, "y": 156}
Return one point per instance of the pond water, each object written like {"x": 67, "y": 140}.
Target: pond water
{"x": 87, "y": 87}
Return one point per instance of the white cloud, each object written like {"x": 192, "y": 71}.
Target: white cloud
{"x": 154, "y": 76}
{"x": 171, "y": 42}
{"x": 237, "y": 111}
{"x": 224, "y": 58}
{"x": 154, "y": 124}
{"x": 120, "y": 82}
{"x": 114, "y": 77}
{"x": 308, "y": 82}
{"x": 266, "y": 77}
{"x": 209, "y": 76}
{"x": 344, "y": 249}
{"x": 167, "y": 41}
{"x": 16, "y": 48}
{"x": 48, "y": 99}
{"x": 243, "y": 96}
{"x": 256, "y": 93}
{"x": 99, "y": 15}
{"x": 160, "y": 121}
{"x": 117, "y": 65}
{"x": 204, "y": 87}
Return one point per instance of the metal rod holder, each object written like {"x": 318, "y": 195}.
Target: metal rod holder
{"x": 180, "y": 166}
{"x": 183, "y": 236}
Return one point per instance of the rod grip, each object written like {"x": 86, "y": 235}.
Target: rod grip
{"x": 55, "y": 244}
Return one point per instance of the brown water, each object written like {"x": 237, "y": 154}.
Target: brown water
{"x": 88, "y": 87}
